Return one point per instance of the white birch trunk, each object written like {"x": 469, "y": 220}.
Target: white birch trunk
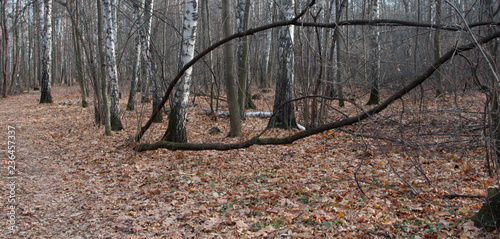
{"x": 144, "y": 36}
{"x": 155, "y": 86}
{"x": 116, "y": 123}
{"x": 137, "y": 66}
{"x": 46, "y": 48}
{"x": 176, "y": 130}
{"x": 267, "y": 52}
{"x": 285, "y": 118}
{"x": 375, "y": 55}
{"x": 242, "y": 18}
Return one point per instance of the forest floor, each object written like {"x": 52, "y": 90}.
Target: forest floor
{"x": 71, "y": 181}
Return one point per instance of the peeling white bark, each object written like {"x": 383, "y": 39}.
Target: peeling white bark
{"x": 46, "y": 44}
{"x": 177, "y": 124}
{"x": 111, "y": 60}
{"x": 285, "y": 118}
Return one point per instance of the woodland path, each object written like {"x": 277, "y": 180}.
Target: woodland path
{"x": 73, "y": 182}
{"x": 58, "y": 196}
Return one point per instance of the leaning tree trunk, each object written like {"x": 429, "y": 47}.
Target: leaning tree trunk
{"x": 374, "y": 56}
{"x": 45, "y": 96}
{"x": 176, "y": 130}
{"x": 116, "y": 123}
{"x": 231, "y": 88}
{"x": 285, "y": 114}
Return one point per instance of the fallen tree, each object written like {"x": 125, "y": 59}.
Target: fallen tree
{"x": 295, "y": 22}
{"x": 341, "y": 123}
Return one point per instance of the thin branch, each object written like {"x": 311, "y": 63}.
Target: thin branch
{"x": 334, "y": 125}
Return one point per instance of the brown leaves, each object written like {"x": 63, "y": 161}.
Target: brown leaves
{"x": 81, "y": 184}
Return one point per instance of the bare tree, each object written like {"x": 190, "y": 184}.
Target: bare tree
{"x": 231, "y": 88}
{"x": 242, "y": 18}
{"x": 4, "y": 57}
{"x": 176, "y": 130}
{"x": 46, "y": 43}
{"x": 136, "y": 5}
{"x": 437, "y": 50}
{"x": 116, "y": 123}
{"x": 78, "y": 53}
{"x": 145, "y": 39}
{"x": 374, "y": 55}
{"x": 285, "y": 114}
{"x": 102, "y": 70}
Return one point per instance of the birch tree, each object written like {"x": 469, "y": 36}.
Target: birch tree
{"x": 150, "y": 72}
{"x": 268, "y": 57}
{"x": 176, "y": 130}
{"x": 136, "y": 5}
{"x": 104, "y": 80}
{"x": 243, "y": 14}
{"x": 231, "y": 88}
{"x": 116, "y": 123}
{"x": 285, "y": 114}
{"x": 46, "y": 54}
{"x": 437, "y": 50}
{"x": 375, "y": 55}
{"x": 145, "y": 37}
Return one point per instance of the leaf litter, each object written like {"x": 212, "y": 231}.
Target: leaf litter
{"x": 74, "y": 182}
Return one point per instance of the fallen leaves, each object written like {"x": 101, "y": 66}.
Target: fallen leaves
{"x": 76, "y": 182}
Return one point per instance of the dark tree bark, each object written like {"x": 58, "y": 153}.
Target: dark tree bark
{"x": 285, "y": 117}
{"x": 231, "y": 88}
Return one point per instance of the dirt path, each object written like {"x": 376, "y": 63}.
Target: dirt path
{"x": 57, "y": 194}
{"x": 72, "y": 182}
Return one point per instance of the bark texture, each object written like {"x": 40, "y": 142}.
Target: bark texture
{"x": 176, "y": 130}
{"x": 285, "y": 117}
{"x": 231, "y": 87}
{"x": 46, "y": 45}
{"x": 116, "y": 123}
{"x": 374, "y": 75}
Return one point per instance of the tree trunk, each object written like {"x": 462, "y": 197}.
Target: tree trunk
{"x": 102, "y": 70}
{"x": 144, "y": 36}
{"x": 78, "y": 56}
{"x": 148, "y": 58}
{"x": 5, "y": 43}
{"x": 176, "y": 130}
{"x": 137, "y": 65}
{"x": 116, "y": 123}
{"x": 243, "y": 14}
{"x": 285, "y": 114}
{"x": 437, "y": 51}
{"x": 488, "y": 216}
{"x": 268, "y": 58}
{"x": 231, "y": 88}
{"x": 46, "y": 45}
{"x": 374, "y": 56}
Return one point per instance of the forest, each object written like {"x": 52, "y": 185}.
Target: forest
{"x": 250, "y": 119}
